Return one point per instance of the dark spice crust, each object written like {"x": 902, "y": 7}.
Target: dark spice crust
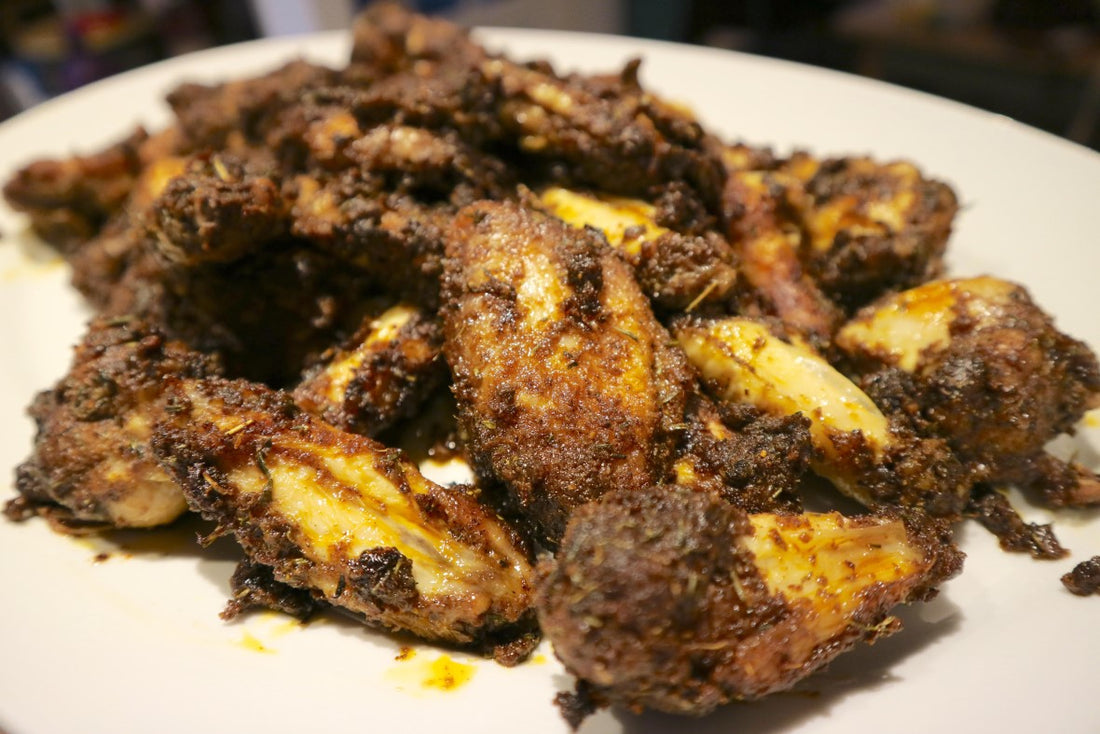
{"x": 91, "y": 461}
{"x": 652, "y": 602}
{"x": 1084, "y": 579}
{"x": 760, "y": 467}
{"x": 311, "y": 296}
{"x": 607, "y": 132}
{"x": 211, "y": 117}
{"x": 562, "y": 409}
{"x": 254, "y": 586}
{"x": 992, "y": 509}
{"x": 218, "y": 210}
{"x": 679, "y": 272}
{"x": 390, "y": 383}
{"x": 376, "y": 585}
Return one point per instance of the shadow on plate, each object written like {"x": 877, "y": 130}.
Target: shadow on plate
{"x": 178, "y": 540}
{"x": 863, "y": 669}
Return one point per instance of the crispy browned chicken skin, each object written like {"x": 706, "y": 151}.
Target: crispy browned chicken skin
{"x": 344, "y": 517}
{"x": 567, "y": 385}
{"x": 673, "y": 599}
{"x": 384, "y": 373}
{"x": 865, "y": 454}
{"x": 92, "y": 464}
{"x": 988, "y": 372}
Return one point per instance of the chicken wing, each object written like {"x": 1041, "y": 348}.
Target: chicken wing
{"x": 977, "y": 363}
{"x": 672, "y": 599}
{"x": 383, "y": 374}
{"x": 872, "y": 227}
{"x": 856, "y": 447}
{"x": 820, "y": 238}
{"x": 344, "y": 517}
{"x": 68, "y": 200}
{"x": 567, "y": 385}
{"x": 91, "y": 464}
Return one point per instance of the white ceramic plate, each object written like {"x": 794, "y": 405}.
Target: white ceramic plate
{"x": 132, "y": 641}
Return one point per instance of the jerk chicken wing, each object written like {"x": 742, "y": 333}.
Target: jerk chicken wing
{"x": 645, "y": 330}
{"x": 673, "y": 599}
{"x": 871, "y": 227}
{"x": 977, "y": 363}
{"x": 344, "y": 517}
{"x": 91, "y": 464}
{"x": 566, "y": 383}
{"x": 760, "y": 207}
{"x": 68, "y": 200}
{"x": 609, "y": 133}
{"x": 384, "y": 373}
{"x": 819, "y": 238}
{"x": 856, "y": 446}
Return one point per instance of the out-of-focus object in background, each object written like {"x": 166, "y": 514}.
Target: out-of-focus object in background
{"x": 596, "y": 16}
{"x": 285, "y": 17}
{"x": 1035, "y": 60}
{"x": 291, "y": 17}
{"x": 47, "y": 48}
{"x": 64, "y": 45}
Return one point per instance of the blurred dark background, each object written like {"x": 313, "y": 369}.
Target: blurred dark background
{"x": 1034, "y": 60}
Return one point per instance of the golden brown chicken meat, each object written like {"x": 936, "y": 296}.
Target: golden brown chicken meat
{"x": 566, "y": 383}
{"x": 91, "y": 464}
{"x": 865, "y": 454}
{"x": 385, "y": 372}
{"x": 673, "y": 599}
{"x": 977, "y": 363}
{"x": 344, "y": 517}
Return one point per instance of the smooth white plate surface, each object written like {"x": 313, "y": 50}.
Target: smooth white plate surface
{"x": 134, "y": 643}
